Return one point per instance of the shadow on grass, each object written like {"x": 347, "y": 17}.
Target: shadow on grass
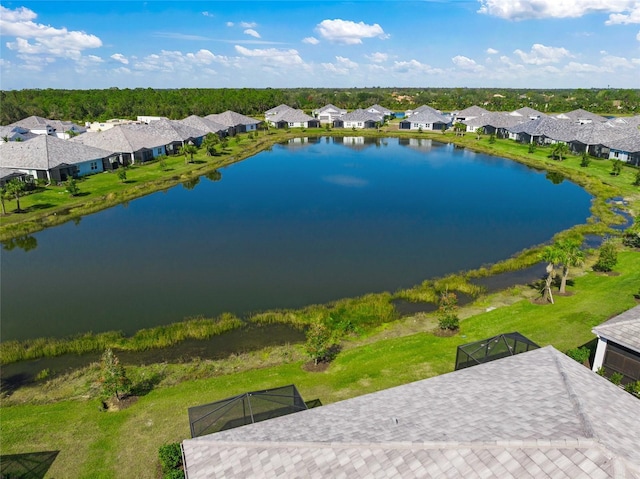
{"x": 40, "y": 206}
{"x": 33, "y": 465}
{"x": 146, "y": 385}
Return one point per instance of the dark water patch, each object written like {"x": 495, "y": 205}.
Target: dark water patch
{"x": 409, "y": 308}
{"x": 592, "y": 241}
{"x": 501, "y": 281}
{"x": 250, "y": 338}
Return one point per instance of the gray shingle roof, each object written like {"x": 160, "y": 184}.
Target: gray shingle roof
{"x": 291, "y": 116}
{"x": 231, "y": 118}
{"x": 123, "y": 139}
{"x": 623, "y": 329}
{"x": 471, "y": 111}
{"x": 630, "y": 144}
{"x": 537, "y": 414}
{"x": 528, "y": 113}
{"x": 380, "y": 109}
{"x": 205, "y": 124}
{"x": 45, "y": 152}
{"x": 174, "y": 130}
{"x": 330, "y": 107}
{"x": 580, "y": 114}
{"x": 427, "y": 116}
{"x": 496, "y": 120}
{"x": 277, "y": 109}
{"x": 37, "y": 122}
{"x": 362, "y": 115}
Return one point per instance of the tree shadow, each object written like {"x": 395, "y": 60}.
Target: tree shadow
{"x": 146, "y": 385}
{"x": 40, "y": 206}
{"x": 33, "y": 465}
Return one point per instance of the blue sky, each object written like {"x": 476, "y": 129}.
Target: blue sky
{"x": 321, "y": 43}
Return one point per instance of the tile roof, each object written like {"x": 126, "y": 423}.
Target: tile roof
{"x": 623, "y": 329}
{"x": 231, "y": 118}
{"x": 209, "y": 126}
{"x": 537, "y": 414}
{"x": 45, "y": 152}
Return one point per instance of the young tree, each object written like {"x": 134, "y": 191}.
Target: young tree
{"x": 616, "y": 168}
{"x": 122, "y": 174}
{"x": 448, "y": 311}
{"x": 551, "y": 256}
{"x": 532, "y": 148}
{"x": 16, "y": 188}
{"x": 459, "y": 128}
{"x": 210, "y": 142}
{"x": 492, "y": 138}
{"x": 114, "y": 378}
{"x": 607, "y": 258}
{"x": 3, "y": 196}
{"x": 319, "y": 341}
{"x": 585, "y": 161}
{"x": 479, "y": 132}
{"x": 560, "y": 150}
{"x": 72, "y": 186}
{"x": 636, "y": 181}
{"x": 570, "y": 255}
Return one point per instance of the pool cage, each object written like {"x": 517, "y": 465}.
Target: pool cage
{"x": 244, "y": 409}
{"x": 490, "y": 349}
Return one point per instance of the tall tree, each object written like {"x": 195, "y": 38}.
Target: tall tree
{"x": 114, "y": 378}
{"x": 210, "y": 142}
{"x": 560, "y": 150}
{"x": 188, "y": 151}
{"x": 570, "y": 255}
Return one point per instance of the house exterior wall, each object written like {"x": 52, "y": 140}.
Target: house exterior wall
{"x": 90, "y": 167}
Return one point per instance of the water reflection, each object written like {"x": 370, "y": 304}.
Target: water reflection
{"x": 26, "y": 243}
{"x": 192, "y": 183}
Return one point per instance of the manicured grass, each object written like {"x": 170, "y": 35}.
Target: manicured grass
{"x": 125, "y": 443}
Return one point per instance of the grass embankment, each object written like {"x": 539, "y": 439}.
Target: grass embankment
{"x": 125, "y": 443}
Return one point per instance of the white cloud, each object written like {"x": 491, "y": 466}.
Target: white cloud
{"x": 230, "y": 24}
{"x": 170, "y": 61}
{"x": 638, "y": 36}
{"x": 348, "y": 32}
{"x": 414, "y": 66}
{"x": 574, "y": 67}
{"x": 620, "y": 62}
{"x": 252, "y": 32}
{"x": 208, "y": 14}
{"x": 527, "y": 9}
{"x": 466, "y": 63}
{"x": 273, "y": 55}
{"x": 541, "y": 54}
{"x": 46, "y": 40}
{"x": 631, "y": 15}
{"x": 378, "y": 57}
{"x": 248, "y": 24}
{"x": 492, "y": 51}
{"x": 311, "y": 40}
{"x": 119, "y": 57}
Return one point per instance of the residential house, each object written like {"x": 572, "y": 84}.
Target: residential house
{"x": 380, "y": 110}
{"x": 359, "y": 119}
{"x": 425, "y": 119}
{"x": 50, "y": 158}
{"x": 581, "y": 116}
{"x": 98, "y": 126}
{"x": 618, "y": 349}
{"x": 149, "y": 119}
{"x": 129, "y": 143}
{"x": 537, "y": 414}
{"x": 176, "y": 134}
{"x": 7, "y": 174}
{"x": 44, "y": 126}
{"x": 207, "y": 125}
{"x": 235, "y": 122}
{"x": 494, "y": 123}
{"x": 468, "y": 113}
{"x": 625, "y": 149}
{"x": 527, "y": 113}
{"x": 328, "y": 114}
{"x": 421, "y": 109}
{"x": 15, "y": 133}
{"x": 275, "y": 111}
{"x": 293, "y": 119}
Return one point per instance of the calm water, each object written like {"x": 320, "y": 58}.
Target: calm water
{"x": 304, "y": 223}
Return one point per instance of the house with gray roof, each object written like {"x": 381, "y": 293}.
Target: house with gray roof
{"x": 129, "y": 143}
{"x": 496, "y": 123}
{"x": 425, "y": 119}
{"x": 175, "y": 134}
{"x": 235, "y": 122}
{"x": 293, "y": 119}
{"x": 618, "y": 349}
{"x": 276, "y": 110}
{"x": 538, "y": 414}
{"x": 379, "y": 110}
{"x": 626, "y": 149}
{"x": 44, "y": 126}
{"x": 51, "y": 158}
{"x": 205, "y": 124}
{"x": 469, "y": 113}
{"x": 15, "y": 133}
{"x": 359, "y": 119}
{"x": 329, "y": 113}
{"x": 527, "y": 113}
{"x": 581, "y": 116}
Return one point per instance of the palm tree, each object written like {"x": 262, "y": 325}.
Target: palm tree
{"x": 551, "y": 256}
{"x": 459, "y": 128}
{"x": 570, "y": 255}
{"x": 560, "y": 150}
{"x": 210, "y": 142}
{"x": 188, "y": 150}
{"x": 3, "y": 197}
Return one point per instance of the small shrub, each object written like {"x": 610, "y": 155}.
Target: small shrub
{"x": 171, "y": 461}
{"x": 72, "y": 186}
{"x": 636, "y": 181}
{"x": 616, "y": 378}
{"x": 633, "y": 388}
{"x": 122, "y": 174}
{"x": 600, "y": 371}
{"x": 608, "y": 257}
{"x": 42, "y": 375}
{"x": 448, "y": 311}
{"x": 492, "y": 138}
{"x": 320, "y": 342}
{"x": 631, "y": 236}
{"x": 616, "y": 168}
{"x": 532, "y": 148}
{"x": 585, "y": 161}
{"x": 579, "y": 354}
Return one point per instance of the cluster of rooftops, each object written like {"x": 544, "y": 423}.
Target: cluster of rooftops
{"x": 52, "y": 150}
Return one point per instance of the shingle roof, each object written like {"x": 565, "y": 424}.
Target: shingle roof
{"x": 205, "y": 124}
{"x": 231, "y": 118}
{"x": 173, "y": 130}
{"x": 623, "y": 329}
{"x": 630, "y": 144}
{"x": 496, "y": 120}
{"x": 527, "y": 112}
{"x": 472, "y": 111}
{"x": 38, "y": 122}
{"x": 580, "y": 114}
{"x": 380, "y": 109}
{"x": 362, "y": 115}
{"x": 45, "y": 152}
{"x": 427, "y": 116}
{"x": 329, "y": 107}
{"x": 291, "y": 116}
{"x": 537, "y": 414}
{"x": 122, "y": 139}
{"x": 277, "y": 109}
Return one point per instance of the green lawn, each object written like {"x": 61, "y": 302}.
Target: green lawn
{"x": 124, "y": 444}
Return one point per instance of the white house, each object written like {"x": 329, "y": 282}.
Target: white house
{"x": 292, "y": 119}
{"x": 329, "y": 113}
{"x": 425, "y": 120}
{"x": 359, "y": 119}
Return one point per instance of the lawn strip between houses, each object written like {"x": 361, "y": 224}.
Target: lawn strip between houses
{"x": 92, "y": 443}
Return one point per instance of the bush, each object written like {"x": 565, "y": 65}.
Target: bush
{"x": 320, "y": 342}
{"x": 585, "y": 161}
{"x": 579, "y": 354}
{"x": 631, "y": 237}
{"x": 616, "y": 378}
{"x": 608, "y": 257}
{"x": 633, "y": 388}
{"x": 171, "y": 461}
{"x": 448, "y": 311}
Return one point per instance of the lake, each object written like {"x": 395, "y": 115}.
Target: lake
{"x": 311, "y": 221}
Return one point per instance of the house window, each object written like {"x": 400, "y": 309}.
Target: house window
{"x": 416, "y": 125}
{"x": 291, "y": 123}
{"x": 615, "y": 154}
{"x": 94, "y": 165}
{"x": 359, "y": 123}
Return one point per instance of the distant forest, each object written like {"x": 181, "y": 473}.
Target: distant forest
{"x": 100, "y": 105}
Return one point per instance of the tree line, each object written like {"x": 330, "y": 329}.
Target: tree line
{"x": 104, "y": 104}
